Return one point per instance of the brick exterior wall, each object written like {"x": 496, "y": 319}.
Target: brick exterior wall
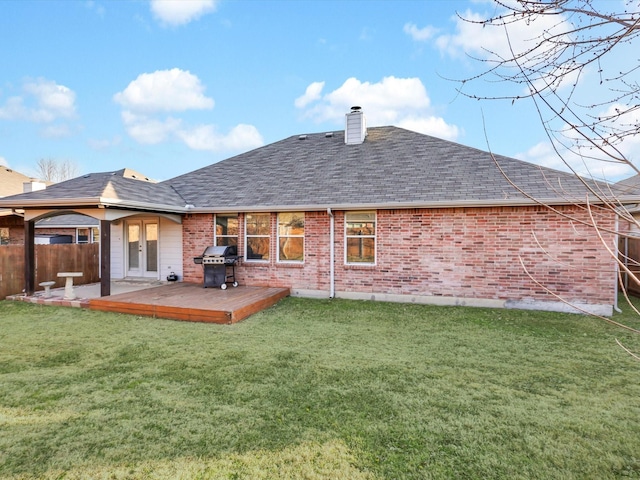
{"x": 16, "y": 235}
{"x": 463, "y": 252}
{"x": 15, "y": 225}
{"x": 58, "y": 231}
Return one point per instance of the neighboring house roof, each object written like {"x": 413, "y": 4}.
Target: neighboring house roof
{"x": 12, "y": 182}
{"x": 630, "y": 185}
{"x": 393, "y": 168}
{"x": 68, "y": 221}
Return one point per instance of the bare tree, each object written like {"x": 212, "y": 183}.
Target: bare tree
{"x": 577, "y": 39}
{"x": 53, "y": 170}
{"x": 574, "y": 42}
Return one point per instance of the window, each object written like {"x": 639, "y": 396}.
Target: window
{"x": 82, "y": 235}
{"x": 360, "y": 234}
{"x": 88, "y": 235}
{"x": 226, "y": 232}
{"x": 258, "y": 235}
{"x": 291, "y": 237}
{"x": 4, "y": 236}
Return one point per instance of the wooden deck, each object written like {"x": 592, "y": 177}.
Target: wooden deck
{"x": 192, "y": 302}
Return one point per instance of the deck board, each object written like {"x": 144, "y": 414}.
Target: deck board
{"x": 192, "y": 302}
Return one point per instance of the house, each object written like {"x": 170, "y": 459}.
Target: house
{"x": 11, "y": 223}
{"x": 79, "y": 228}
{"x": 367, "y": 213}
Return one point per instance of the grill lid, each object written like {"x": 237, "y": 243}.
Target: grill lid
{"x": 220, "y": 251}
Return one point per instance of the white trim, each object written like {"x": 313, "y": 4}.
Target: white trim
{"x": 403, "y": 205}
{"x": 142, "y": 270}
{"x": 98, "y": 213}
{"x": 246, "y": 243}
{"x": 215, "y": 226}
{"x": 374, "y": 236}
{"x": 289, "y": 262}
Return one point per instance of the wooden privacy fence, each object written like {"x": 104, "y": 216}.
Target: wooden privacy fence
{"x": 629, "y": 249}
{"x": 50, "y": 259}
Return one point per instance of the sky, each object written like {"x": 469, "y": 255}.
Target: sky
{"x": 165, "y": 87}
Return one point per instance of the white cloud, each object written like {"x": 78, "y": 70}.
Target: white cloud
{"x": 205, "y": 137}
{"x": 180, "y": 12}
{"x": 419, "y": 34}
{"x": 392, "y": 101}
{"x": 472, "y": 38}
{"x": 58, "y": 130}
{"x": 44, "y": 101}
{"x": 164, "y": 91}
{"x": 99, "y": 9}
{"x": 14, "y": 109}
{"x": 588, "y": 160}
{"x": 151, "y": 101}
{"x": 148, "y": 130}
{"x": 544, "y": 154}
{"x": 435, "y": 126}
{"x": 383, "y": 102}
{"x": 104, "y": 144}
{"x": 311, "y": 94}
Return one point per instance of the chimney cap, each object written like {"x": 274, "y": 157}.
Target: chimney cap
{"x": 356, "y": 108}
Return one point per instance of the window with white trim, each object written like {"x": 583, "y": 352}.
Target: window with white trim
{"x": 82, "y": 235}
{"x": 226, "y": 231}
{"x": 87, "y": 235}
{"x": 257, "y": 231}
{"x": 291, "y": 237}
{"x": 360, "y": 238}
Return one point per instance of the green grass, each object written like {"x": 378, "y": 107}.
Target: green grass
{"x": 318, "y": 389}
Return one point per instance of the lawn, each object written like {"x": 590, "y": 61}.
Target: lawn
{"x": 316, "y": 389}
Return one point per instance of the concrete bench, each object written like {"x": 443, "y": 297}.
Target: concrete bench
{"x": 69, "y": 293}
{"x": 47, "y": 288}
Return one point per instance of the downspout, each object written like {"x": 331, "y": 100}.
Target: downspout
{"x": 617, "y": 279}
{"x": 332, "y": 278}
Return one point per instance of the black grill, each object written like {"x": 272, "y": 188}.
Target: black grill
{"x": 217, "y": 262}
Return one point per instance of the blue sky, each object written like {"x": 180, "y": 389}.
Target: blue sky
{"x": 166, "y": 87}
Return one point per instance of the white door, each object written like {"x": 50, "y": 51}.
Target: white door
{"x": 142, "y": 248}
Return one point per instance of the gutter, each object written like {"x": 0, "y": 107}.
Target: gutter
{"x": 389, "y": 205}
{"x": 94, "y": 202}
{"x": 111, "y": 202}
{"x": 332, "y": 276}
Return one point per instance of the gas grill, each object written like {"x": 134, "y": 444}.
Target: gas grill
{"x": 217, "y": 262}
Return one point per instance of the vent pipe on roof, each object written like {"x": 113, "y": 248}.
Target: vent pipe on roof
{"x": 355, "y": 129}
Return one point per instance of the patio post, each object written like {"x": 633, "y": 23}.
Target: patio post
{"x": 105, "y": 258}
{"x": 29, "y": 257}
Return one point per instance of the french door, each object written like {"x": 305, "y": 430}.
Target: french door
{"x": 142, "y": 248}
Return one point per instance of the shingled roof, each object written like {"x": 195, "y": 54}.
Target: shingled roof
{"x": 392, "y": 168}
{"x": 122, "y": 188}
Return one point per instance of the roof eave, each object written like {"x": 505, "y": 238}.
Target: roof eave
{"x": 96, "y": 202}
{"x": 398, "y": 205}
